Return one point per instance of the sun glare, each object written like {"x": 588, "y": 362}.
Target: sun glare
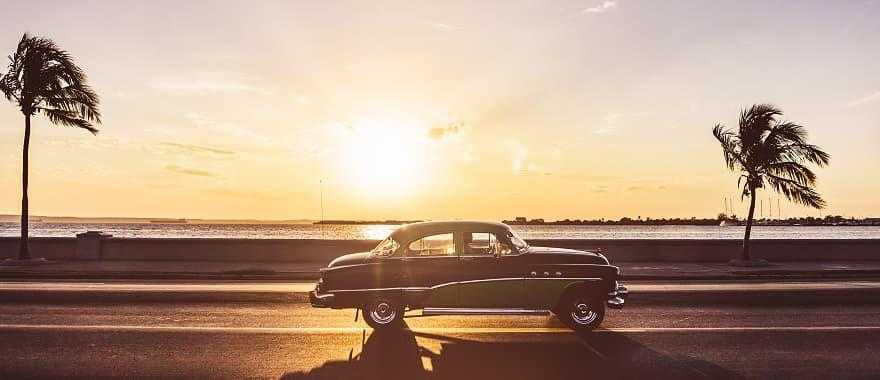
{"x": 384, "y": 157}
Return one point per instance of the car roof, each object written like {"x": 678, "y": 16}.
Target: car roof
{"x": 420, "y": 229}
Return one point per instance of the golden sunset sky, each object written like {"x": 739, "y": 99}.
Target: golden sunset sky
{"x": 432, "y": 110}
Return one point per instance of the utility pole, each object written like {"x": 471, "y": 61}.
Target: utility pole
{"x": 321, "y": 191}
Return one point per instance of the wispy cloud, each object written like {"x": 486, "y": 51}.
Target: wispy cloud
{"x": 610, "y": 124}
{"x": 636, "y": 188}
{"x": 251, "y": 195}
{"x": 864, "y": 100}
{"x": 187, "y": 171}
{"x": 437, "y": 133}
{"x": 440, "y": 26}
{"x": 210, "y": 82}
{"x": 601, "y": 8}
{"x": 197, "y": 149}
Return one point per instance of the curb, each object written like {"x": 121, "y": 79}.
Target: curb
{"x": 312, "y": 275}
{"x": 275, "y": 276}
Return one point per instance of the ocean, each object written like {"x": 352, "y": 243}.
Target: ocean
{"x": 376, "y": 231}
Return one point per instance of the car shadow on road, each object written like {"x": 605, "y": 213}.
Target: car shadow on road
{"x": 397, "y": 354}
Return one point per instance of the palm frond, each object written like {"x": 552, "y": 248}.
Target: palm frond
{"x": 806, "y": 152}
{"x": 786, "y": 132}
{"x": 796, "y": 192}
{"x": 728, "y": 141}
{"x": 44, "y": 78}
{"x": 794, "y": 171}
{"x": 755, "y": 122}
{"x": 68, "y": 118}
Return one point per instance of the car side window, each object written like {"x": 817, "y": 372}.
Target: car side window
{"x": 483, "y": 244}
{"x": 432, "y": 245}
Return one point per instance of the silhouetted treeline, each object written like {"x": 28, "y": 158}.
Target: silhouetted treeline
{"x": 830, "y": 220}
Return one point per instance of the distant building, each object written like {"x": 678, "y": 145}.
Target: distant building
{"x": 521, "y": 219}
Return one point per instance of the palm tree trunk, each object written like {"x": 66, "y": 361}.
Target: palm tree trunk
{"x": 746, "y": 256}
{"x": 23, "y": 248}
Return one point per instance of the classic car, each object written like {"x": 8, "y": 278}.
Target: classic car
{"x": 469, "y": 268}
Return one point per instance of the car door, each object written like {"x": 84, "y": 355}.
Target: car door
{"x": 488, "y": 279}
{"x": 431, "y": 261}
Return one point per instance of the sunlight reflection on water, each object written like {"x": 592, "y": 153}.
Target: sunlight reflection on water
{"x": 377, "y": 232}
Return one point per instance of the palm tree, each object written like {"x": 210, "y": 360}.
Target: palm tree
{"x": 44, "y": 79}
{"x": 769, "y": 151}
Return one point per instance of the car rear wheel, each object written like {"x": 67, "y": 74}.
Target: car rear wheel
{"x": 581, "y": 312}
{"x": 383, "y": 313}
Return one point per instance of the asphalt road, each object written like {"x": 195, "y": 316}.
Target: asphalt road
{"x": 729, "y": 330}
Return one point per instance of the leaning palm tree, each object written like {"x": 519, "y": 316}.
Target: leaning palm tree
{"x": 769, "y": 151}
{"x": 43, "y": 79}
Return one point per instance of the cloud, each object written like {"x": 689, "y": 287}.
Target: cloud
{"x": 438, "y": 133}
{"x": 440, "y": 26}
{"x": 250, "y": 195}
{"x": 196, "y": 149}
{"x": 610, "y": 125}
{"x": 588, "y": 177}
{"x": 193, "y": 172}
{"x": 199, "y": 120}
{"x": 601, "y": 8}
{"x": 209, "y": 82}
{"x": 864, "y": 100}
{"x": 647, "y": 188}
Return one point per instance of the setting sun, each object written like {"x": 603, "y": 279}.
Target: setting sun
{"x": 384, "y": 157}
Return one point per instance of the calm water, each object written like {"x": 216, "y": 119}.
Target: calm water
{"x": 309, "y": 231}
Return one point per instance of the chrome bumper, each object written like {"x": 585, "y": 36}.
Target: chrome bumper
{"x": 320, "y": 300}
{"x": 617, "y": 297}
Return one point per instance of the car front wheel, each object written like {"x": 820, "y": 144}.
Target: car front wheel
{"x": 382, "y": 313}
{"x": 581, "y": 312}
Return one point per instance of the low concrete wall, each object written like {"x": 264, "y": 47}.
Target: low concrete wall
{"x": 290, "y": 250}
{"x": 50, "y": 248}
{"x": 307, "y": 250}
{"x": 661, "y": 250}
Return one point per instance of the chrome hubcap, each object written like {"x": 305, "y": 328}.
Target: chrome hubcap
{"x": 582, "y": 314}
{"x": 382, "y": 312}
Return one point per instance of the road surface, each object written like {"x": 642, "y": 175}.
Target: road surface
{"x": 234, "y": 330}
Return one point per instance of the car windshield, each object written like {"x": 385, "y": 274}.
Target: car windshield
{"x": 517, "y": 241}
{"x": 386, "y": 248}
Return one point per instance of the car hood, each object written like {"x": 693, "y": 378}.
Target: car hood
{"x": 571, "y": 253}
{"x": 349, "y": 259}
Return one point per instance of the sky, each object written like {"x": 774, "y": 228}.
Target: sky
{"x": 441, "y": 110}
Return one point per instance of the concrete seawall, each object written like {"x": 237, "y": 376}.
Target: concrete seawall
{"x": 99, "y": 247}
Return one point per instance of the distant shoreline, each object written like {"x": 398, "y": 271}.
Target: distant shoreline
{"x": 830, "y": 221}
{"x": 363, "y": 222}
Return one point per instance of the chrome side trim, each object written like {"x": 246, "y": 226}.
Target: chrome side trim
{"x": 482, "y": 280}
{"x": 480, "y": 311}
{"x": 378, "y": 290}
{"x": 422, "y": 288}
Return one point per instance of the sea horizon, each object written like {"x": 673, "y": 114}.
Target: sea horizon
{"x": 379, "y": 231}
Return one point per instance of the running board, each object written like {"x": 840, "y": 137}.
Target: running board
{"x": 471, "y": 311}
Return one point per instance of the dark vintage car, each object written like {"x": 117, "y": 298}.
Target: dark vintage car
{"x": 469, "y": 268}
